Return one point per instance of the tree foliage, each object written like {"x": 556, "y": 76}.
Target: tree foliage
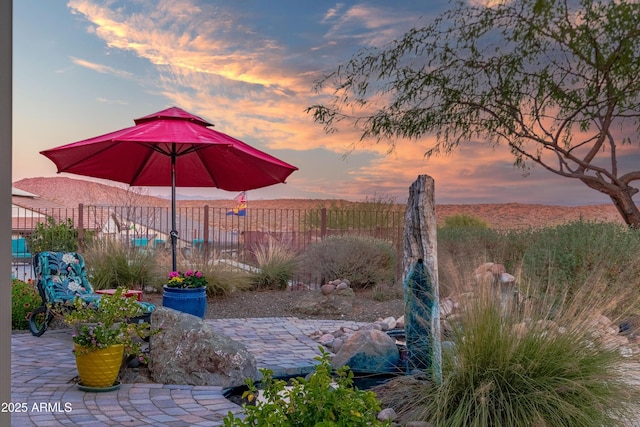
{"x": 558, "y": 82}
{"x": 54, "y": 236}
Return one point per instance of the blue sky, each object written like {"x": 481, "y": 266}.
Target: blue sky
{"x": 83, "y": 68}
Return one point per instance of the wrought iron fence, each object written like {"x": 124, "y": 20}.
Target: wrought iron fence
{"x": 214, "y": 230}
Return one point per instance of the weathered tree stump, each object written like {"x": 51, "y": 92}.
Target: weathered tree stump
{"x": 420, "y": 274}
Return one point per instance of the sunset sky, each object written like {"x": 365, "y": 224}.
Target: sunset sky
{"x": 83, "y": 68}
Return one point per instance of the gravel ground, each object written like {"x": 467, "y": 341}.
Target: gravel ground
{"x": 368, "y": 306}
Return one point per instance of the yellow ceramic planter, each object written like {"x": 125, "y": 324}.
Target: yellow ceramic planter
{"x": 99, "y": 368}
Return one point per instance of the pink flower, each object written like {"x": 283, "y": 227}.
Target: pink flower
{"x": 198, "y": 274}
{"x": 188, "y": 273}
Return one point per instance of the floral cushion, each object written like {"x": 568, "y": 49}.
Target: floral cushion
{"x": 63, "y": 288}
{"x": 61, "y": 276}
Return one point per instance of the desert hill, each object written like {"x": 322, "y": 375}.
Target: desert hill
{"x": 70, "y": 192}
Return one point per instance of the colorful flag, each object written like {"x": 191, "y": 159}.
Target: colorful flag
{"x": 241, "y": 205}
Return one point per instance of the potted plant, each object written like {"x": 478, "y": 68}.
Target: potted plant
{"x": 186, "y": 292}
{"x": 103, "y": 335}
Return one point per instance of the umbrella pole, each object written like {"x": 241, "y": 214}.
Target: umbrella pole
{"x": 174, "y": 232}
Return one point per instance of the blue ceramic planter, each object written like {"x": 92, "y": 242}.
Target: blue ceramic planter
{"x": 188, "y": 300}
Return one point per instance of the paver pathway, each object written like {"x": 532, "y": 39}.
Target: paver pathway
{"x": 43, "y": 369}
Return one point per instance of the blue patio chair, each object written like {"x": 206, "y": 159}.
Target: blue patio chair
{"x": 19, "y": 250}
{"x": 61, "y": 277}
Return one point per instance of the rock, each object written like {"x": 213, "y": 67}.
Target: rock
{"x": 341, "y": 286}
{"x": 368, "y": 351}
{"x": 400, "y": 322}
{"x": 337, "y": 344}
{"x": 326, "y": 339}
{"x": 418, "y": 424}
{"x": 387, "y": 414}
{"x": 507, "y": 278}
{"x": 188, "y": 351}
{"x": 446, "y": 307}
{"x": 327, "y": 289}
{"x": 315, "y": 303}
{"x": 371, "y": 326}
{"x": 497, "y": 269}
{"x": 388, "y": 323}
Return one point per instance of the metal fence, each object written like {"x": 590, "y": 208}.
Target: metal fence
{"x": 214, "y": 230}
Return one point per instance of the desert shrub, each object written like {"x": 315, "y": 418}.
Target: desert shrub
{"x": 222, "y": 279}
{"x": 111, "y": 264}
{"x": 54, "y": 236}
{"x": 364, "y": 261}
{"x": 535, "y": 363}
{"x": 567, "y": 255}
{"x": 376, "y": 211}
{"x": 320, "y": 400}
{"x": 467, "y": 245}
{"x": 276, "y": 265}
{"x": 24, "y": 298}
{"x": 464, "y": 220}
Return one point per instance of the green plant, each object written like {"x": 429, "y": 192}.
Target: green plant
{"x": 110, "y": 264}
{"x": 54, "y": 236}
{"x": 24, "y": 298}
{"x": 276, "y": 265}
{"x": 224, "y": 280}
{"x": 534, "y": 362}
{"x": 568, "y": 254}
{"x": 464, "y": 220}
{"x": 377, "y": 211}
{"x": 105, "y": 322}
{"x": 188, "y": 279}
{"x": 320, "y": 400}
{"x": 365, "y": 261}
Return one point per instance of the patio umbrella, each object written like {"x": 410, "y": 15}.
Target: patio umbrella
{"x": 171, "y": 148}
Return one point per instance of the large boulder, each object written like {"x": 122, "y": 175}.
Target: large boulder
{"x": 315, "y": 303}
{"x": 370, "y": 351}
{"x": 188, "y": 351}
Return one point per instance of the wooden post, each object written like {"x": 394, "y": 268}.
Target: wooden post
{"x": 323, "y": 223}
{"x": 420, "y": 277}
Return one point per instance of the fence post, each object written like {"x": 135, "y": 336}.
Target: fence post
{"x": 205, "y": 232}
{"x": 80, "y": 227}
{"x": 323, "y": 223}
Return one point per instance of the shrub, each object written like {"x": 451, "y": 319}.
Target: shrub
{"x": 223, "y": 278}
{"x": 377, "y": 211}
{"x": 567, "y": 255}
{"x": 110, "y": 264}
{"x": 276, "y": 266}
{"x": 564, "y": 256}
{"x": 24, "y": 298}
{"x": 316, "y": 401}
{"x": 365, "y": 261}
{"x": 54, "y": 236}
{"x": 463, "y": 221}
{"x": 536, "y": 363}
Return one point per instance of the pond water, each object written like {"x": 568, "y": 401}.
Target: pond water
{"x": 361, "y": 381}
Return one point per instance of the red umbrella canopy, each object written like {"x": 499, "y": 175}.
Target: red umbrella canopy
{"x": 141, "y": 155}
